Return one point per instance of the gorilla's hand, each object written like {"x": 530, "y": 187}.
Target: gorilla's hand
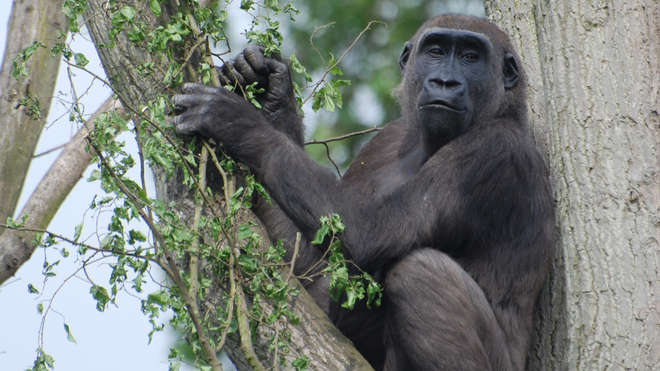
{"x": 216, "y": 113}
{"x": 270, "y": 73}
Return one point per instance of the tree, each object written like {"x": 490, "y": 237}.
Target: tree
{"x": 594, "y": 78}
{"x": 26, "y": 57}
{"x": 598, "y": 308}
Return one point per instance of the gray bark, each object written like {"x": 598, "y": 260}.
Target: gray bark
{"x": 594, "y": 75}
{"x": 30, "y": 20}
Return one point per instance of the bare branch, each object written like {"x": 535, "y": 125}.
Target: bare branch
{"x": 345, "y": 136}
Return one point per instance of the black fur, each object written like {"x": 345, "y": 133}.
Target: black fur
{"x": 450, "y": 204}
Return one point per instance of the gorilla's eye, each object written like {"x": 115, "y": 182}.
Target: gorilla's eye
{"x": 436, "y": 51}
{"x": 470, "y": 57}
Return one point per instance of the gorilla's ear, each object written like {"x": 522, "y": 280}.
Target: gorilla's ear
{"x": 510, "y": 71}
{"x": 403, "y": 58}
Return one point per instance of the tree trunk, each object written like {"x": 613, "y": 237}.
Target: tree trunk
{"x": 594, "y": 75}
{"x": 315, "y": 337}
{"x": 30, "y": 21}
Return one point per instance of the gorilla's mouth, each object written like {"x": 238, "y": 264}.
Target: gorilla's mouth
{"x": 441, "y": 104}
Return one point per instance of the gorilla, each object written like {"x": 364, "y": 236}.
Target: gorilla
{"x": 449, "y": 206}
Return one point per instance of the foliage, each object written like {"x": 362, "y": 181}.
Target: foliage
{"x": 343, "y": 281}
{"x": 219, "y": 272}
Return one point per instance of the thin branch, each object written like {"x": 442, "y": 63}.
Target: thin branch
{"x": 79, "y": 244}
{"x": 52, "y": 299}
{"x": 44, "y": 153}
{"x": 244, "y": 331}
{"x": 331, "y": 67}
{"x": 327, "y": 154}
{"x": 345, "y": 136}
{"x": 193, "y": 265}
{"x": 296, "y": 247}
{"x": 230, "y": 304}
{"x": 311, "y": 39}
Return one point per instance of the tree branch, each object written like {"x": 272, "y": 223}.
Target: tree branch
{"x": 16, "y": 247}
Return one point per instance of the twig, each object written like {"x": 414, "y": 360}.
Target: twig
{"x": 311, "y": 39}
{"x": 296, "y": 247}
{"x": 276, "y": 361}
{"x": 329, "y": 68}
{"x": 244, "y": 331}
{"x": 223, "y": 174}
{"x": 345, "y": 136}
{"x": 327, "y": 154}
{"x": 74, "y": 243}
{"x": 50, "y": 150}
{"x": 230, "y": 304}
{"x": 193, "y": 265}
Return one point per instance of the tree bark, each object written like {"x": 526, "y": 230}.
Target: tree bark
{"x": 315, "y": 337}
{"x": 594, "y": 76}
{"x": 30, "y": 21}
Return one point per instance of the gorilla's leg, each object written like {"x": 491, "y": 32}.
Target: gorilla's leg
{"x": 439, "y": 319}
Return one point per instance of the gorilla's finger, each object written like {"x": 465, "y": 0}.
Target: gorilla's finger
{"x": 224, "y": 80}
{"x": 195, "y": 88}
{"x": 247, "y": 71}
{"x": 254, "y": 55}
{"x": 230, "y": 71}
{"x": 184, "y": 102}
{"x": 226, "y": 75}
{"x": 184, "y": 125}
{"x": 279, "y": 73}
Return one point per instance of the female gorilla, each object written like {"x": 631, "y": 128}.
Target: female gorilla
{"x": 450, "y": 203}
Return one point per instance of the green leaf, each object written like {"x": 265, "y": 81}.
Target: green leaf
{"x": 374, "y": 291}
{"x": 320, "y": 234}
{"x": 95, "y": 175}
{"x": 81, "y": 60}
{"x": 69, "y": 335}
{"x": 100, "y": 294}
{"x": 154, "y": 6}
{"x": 128, "y": 12}
{"x": 246, "y": 4}
{"x": 300, "y": 363}
{"x": 32, "y": 289}
{"x": 160, "y": 297}
{"x": 43, "y": 362}
{"x": 77, "y": 233}
{"x": 244, "y": 231}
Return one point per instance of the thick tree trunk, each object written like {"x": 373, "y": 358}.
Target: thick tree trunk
{"x": 315, "y": 337}
{"x": 30, "y": 21}
{"x": 594, "y": 74}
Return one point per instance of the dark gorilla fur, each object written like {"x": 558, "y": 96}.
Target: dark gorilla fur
{"x": 449, "y": 205}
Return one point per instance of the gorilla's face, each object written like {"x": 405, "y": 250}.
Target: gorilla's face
{"x": 455, "y": 80}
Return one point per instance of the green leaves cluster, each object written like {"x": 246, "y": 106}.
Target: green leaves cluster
{"x": 345, "y": 283}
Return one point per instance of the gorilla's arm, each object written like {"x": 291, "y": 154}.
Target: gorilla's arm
{"x": 454, "y": 190}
